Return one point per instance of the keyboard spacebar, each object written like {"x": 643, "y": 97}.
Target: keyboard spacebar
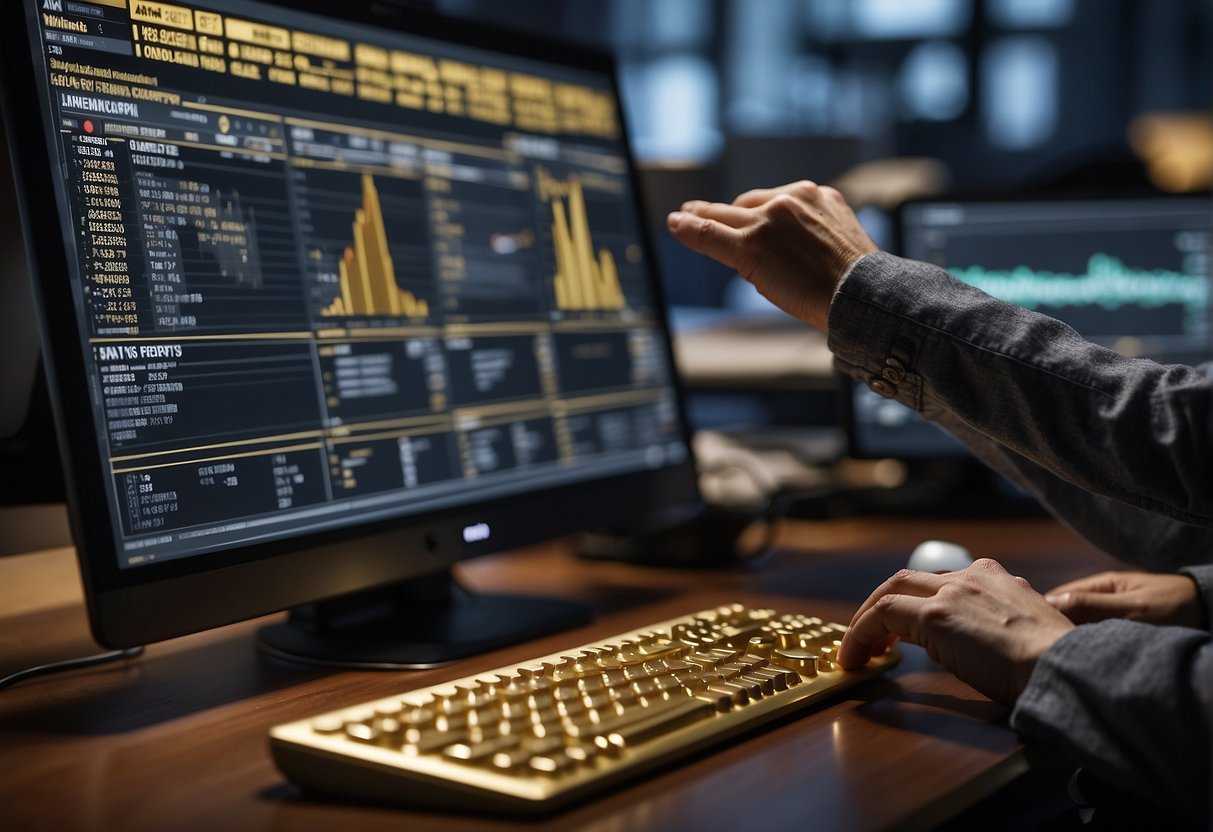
{"x": 652, "y": 722}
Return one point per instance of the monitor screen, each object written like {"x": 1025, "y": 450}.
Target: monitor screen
{"x": 1131, "y": 274}
{"x": 340, "y": 299}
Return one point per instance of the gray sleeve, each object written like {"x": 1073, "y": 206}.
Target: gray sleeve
{"x": 1117, "y": 447}
{"x": 1133, "y": 703}
{"x": 1203, "y": 575}
{"x": 1134, "y": 535}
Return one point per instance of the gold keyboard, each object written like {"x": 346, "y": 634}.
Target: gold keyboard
{"x": 535, "y": 737}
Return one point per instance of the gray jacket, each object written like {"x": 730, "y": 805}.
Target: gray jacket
{"x": 1119, "y": 449}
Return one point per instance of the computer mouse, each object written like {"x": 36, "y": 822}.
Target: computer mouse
{"x": 939, "y": 556}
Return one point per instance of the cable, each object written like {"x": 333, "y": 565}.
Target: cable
{"x": 774, "y": 512}
{"x": 69, "y": 664}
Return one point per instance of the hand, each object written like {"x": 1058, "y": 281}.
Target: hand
{"x": 1141, "y": 596}
{"x": 981, "y": 623}
{"x": 794, "y": 243}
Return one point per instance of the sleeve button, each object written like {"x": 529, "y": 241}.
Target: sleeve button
{"x": 882, "y": 388}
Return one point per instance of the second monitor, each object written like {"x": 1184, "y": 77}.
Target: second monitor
{"x": 1128, "y": 273}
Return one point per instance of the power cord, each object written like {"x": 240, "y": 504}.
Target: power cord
{"x": 776, "y": 509}
{"x": 70, "y": 664}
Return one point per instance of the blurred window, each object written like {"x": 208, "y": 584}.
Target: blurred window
{"x": 670, "y": 86}
{"x": 1019, "y": 92}
{"x": 909, "y": 18}
{"x": 672, "y": 109}
{"x": 1030, "y": 14}
{"x": 934, "y": 82}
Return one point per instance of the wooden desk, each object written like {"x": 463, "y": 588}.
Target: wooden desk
{"x": 177, "y": 739}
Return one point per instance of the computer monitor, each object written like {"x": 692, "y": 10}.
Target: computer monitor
{"x": 1131, "y": 273}
{"x": 333, "y": 297}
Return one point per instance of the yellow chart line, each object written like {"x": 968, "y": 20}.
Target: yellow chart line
{"x": 313, "y": 446}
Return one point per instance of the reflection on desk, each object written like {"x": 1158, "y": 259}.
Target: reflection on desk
{"x": 177, "y": 739}
{"x": 32, "y": 527}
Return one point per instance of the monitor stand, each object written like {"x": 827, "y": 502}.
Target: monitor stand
{"x": 423, "y": 622}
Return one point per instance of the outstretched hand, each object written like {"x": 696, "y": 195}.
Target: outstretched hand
{"x": 1141, "y": 596}
{"x": 794, "y": 243}
{"x": 982, "y": 623}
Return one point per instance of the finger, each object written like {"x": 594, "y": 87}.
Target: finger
{"x": 756, "y": 197}
{"x": 727, "y": 214}
{"x": 705, "y": 235}
{"x": 903, "y": 582}
{"x": 881, "y": 647}
{"x": 896, "y": 616}
{"x": 760, "y": 196}
{"x": 1103, "y": 582}
{"x": 1088, "y": 607}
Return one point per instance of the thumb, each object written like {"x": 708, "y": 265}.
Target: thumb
{"x": 1087, "y": 607}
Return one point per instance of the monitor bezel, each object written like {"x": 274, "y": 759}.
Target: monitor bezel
{"x": 1033, "y": 196}
{"x": 175, "y": 597}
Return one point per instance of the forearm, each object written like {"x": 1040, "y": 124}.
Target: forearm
{"x": 1130, "y": 430}
{"x": 1130, "y": 702}
{"x": 1143, "y": 538}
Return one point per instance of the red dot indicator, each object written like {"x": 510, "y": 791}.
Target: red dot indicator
{"x": 88, "y": 125}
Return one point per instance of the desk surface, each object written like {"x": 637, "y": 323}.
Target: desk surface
{"x": 177, "y": 739}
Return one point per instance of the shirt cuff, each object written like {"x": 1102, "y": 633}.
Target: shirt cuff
{"x": 1203, "y": 575}
{"x": 871, "y": 344}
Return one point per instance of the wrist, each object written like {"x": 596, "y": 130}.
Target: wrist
{"x": 850, "y": 272}
{"x": 1041, "y": 642}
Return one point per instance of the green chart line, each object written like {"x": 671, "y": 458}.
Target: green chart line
{"x": 1107, "y": 283}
